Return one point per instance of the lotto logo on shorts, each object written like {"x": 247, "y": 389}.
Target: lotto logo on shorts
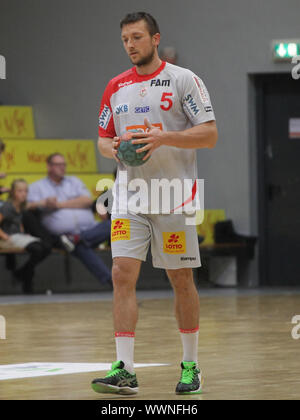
{"x": 174, "y": 242}
{"x": 120, "y": 230}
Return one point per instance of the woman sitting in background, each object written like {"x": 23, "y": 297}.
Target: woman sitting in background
{"x": 12, "y": 233}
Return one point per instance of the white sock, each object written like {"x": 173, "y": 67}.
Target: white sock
{"x": 125, "y": 349}
{"x": 189, "y": 340}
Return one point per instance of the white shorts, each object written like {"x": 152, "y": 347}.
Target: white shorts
{"x": 173, "y": 243}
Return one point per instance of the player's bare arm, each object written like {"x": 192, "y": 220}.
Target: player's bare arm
{"x": 200, "y": 136}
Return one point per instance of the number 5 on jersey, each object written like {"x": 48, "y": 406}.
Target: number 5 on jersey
{"x": 167, "y": 102}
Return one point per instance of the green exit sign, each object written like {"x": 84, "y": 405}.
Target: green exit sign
{"x": 286, "y": 49}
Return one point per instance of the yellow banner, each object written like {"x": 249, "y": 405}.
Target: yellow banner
{"x": 206, "y": 228}
{"x": 16, "y": 122}
{"x": 91, "y": 180}
{"x": 29, "y": 156}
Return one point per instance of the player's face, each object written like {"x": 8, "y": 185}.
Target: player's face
{"x": 138, "y": 43}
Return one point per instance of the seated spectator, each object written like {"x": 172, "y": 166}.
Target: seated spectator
{"x": 12, "y": 233}
{"x": 65, "y": 205}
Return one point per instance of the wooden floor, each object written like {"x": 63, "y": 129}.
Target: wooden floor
{"x": 246, "y": 350}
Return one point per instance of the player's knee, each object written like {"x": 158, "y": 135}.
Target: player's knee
{"x": 122, "y": 277}
{"x": 181, "y": 278}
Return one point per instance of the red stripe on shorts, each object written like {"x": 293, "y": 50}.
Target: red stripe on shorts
{"x": 124, "y": 334}
{"x": 189, "y": 331}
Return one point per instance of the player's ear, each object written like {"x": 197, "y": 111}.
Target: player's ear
{"x": 156, "y": 39}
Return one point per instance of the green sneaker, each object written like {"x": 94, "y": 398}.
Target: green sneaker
{"x": 190, "y": 381}
{"x": 117, "y": 381}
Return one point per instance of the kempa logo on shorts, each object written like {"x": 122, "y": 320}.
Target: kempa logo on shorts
{"x": 120, "y": 230}
{"x": 174, "y": 242}
{"x": 188, "y": 259}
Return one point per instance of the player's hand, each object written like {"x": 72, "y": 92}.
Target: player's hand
{"x": 153, "y": 138}
{"x": 115, "y": 145}
{"x": 2, "y": 175}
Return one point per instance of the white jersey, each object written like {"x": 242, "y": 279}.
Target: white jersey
{"x": 173, "y": 99}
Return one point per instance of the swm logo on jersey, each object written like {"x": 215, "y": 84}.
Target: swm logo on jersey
{"x": 120, "y": 230}
{"x": 190, "y": 105}
{"x": 121, "y": 109}
{"x": 174, "y": 242}
{"x": 158, "y": 82}
{"x": 104, "y": 117}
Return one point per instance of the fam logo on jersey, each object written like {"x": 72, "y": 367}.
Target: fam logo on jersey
{"x": 174, "y": 242}
{"x": 190, "y": 105}
{"x": 158, "y": 82}
{"x": 104, "y": 117}
{"x": 141, "y": 109}
{"x": 122, "y": 109}
{"x": 120, "y": 230}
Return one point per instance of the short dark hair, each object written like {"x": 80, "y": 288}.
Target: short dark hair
{"x": 137, "y": 16}
{"x": 50, "y": 157}
{"x": 2, "y": 146}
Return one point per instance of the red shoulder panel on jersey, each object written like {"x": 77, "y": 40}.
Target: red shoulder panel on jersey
{"x": 130, "y": 77}
{"x": 127, "y": 78}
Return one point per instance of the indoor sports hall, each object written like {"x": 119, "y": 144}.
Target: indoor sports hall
{"x": 67, "y": 267}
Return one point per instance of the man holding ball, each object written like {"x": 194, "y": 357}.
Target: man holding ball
{"x": 170, "y": 108}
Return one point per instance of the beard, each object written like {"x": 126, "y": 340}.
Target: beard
{"x": 145, "y": 60}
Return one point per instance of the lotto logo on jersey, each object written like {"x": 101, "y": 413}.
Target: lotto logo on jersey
{"x": 104, "y": 117}
{"x": 174, "y": 242}
{"x": 120, "y": 230}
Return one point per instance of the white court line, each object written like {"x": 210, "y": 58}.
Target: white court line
{"x": 36, "y": 369}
